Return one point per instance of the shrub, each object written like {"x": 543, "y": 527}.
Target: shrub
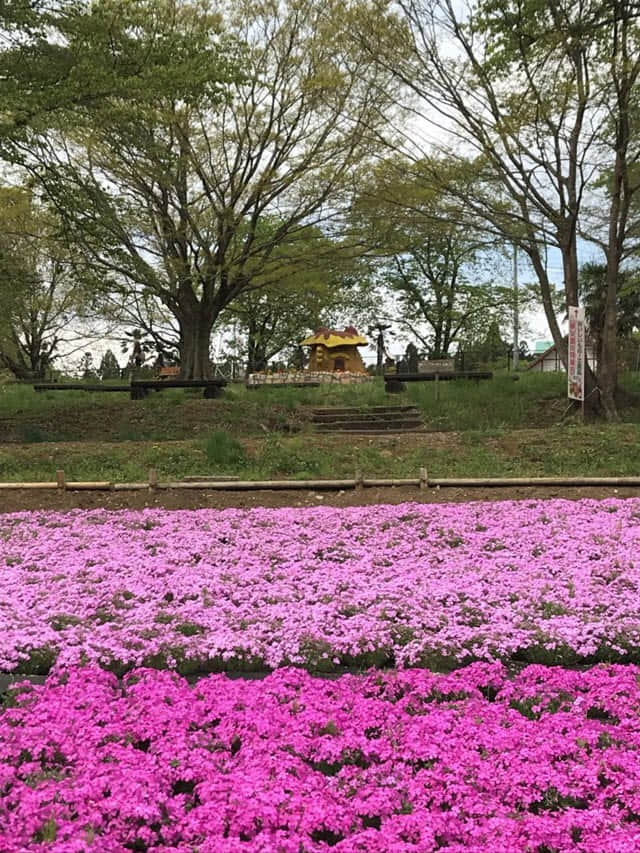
{"x": 223, "y": 449}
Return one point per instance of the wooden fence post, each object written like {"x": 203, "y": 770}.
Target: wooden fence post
{"x": 153, "y": 479}
{"x": 60, "y": 480}
{"x": 424, "y": 480}
{"x": 359, "y": 480}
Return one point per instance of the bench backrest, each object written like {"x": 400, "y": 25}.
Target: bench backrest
{"x": 440, "y": 365}
{"x": 169, "y": 372}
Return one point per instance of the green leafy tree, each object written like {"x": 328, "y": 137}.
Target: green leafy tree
{"x": 593, "y": 290}
{"x": 318, "y": 281}
{"x": 40, "y": 293}
{"x": 490, "y": 346}
{"x": 542, "y": 95}
{"x": 438, "y": 300}
{"x": 429, "y": 260}
{"x": 109, "y": 367}
{"x": 87, "y": 370}
{"x": 60, "y": 62}
{"x": 166, "y": 195}
{"x": 274, "y": 319}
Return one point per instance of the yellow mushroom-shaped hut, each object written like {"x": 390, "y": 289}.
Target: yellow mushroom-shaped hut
{"x": 333, "y": 351}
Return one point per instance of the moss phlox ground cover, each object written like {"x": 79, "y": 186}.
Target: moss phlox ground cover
{"x": 546, "y": 762}
{"x": 409, "y": 585}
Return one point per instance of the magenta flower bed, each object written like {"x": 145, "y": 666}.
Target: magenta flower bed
{"x": 383, "y": 763}
{"x": 410, "y": 585}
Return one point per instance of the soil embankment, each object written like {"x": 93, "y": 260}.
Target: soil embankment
{"x": 15, "y": 501}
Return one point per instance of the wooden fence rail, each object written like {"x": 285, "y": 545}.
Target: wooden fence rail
{"x": 423, "y": 481}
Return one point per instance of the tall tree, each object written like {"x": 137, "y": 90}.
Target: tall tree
{"x": 273, "y": 319}
{"x": 109, "y": 367}
{"x": 167, "y": 197}
{"x": 438, "y": 300}
{"x": 433, "y": 266}
{"x": 40, "y": 292}
{"x": 60, "y": 61}
{"x": 63, "y": 65}
{"x": 543, "y": 94}
{"x": 317, "y": 281}
{"x": 592, "y": 285}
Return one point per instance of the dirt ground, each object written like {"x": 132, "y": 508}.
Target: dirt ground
{"x": 13, "y": 501}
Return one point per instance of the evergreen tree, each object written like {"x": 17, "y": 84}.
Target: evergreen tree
{"x": 109, "y": 367}
{"x": 87, "y": 370}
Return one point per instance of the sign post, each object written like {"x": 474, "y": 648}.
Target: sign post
{"x": 576, "y": 361}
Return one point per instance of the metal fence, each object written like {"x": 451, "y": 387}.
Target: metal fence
{"x": 628, "y": 359}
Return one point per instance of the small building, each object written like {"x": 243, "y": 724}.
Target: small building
{"x": 549, "y": 361}
{"x": 333, "y": 351}
{"x": 541, "y": 346}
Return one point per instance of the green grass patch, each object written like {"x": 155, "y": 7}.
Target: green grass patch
{"x": 224, "y": 451}
{"x": 499, "y": 427}
{"x": 609, "y": 450}
{"x": 504, "y": 402}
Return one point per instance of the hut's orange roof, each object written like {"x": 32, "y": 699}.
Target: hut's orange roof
{"x": 333, "y": 338}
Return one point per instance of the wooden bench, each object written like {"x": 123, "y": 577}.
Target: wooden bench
{"x": 253, "y": 386}
{"x": 139, "y": 388}
{"x": 211, "y": 387}
{"x": 394, "y": 382}
{"x": 63, "y": 386}
{"x": 169, "y": 373}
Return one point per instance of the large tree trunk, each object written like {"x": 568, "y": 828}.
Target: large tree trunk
{"x": 257, "y": 359}
{"x": 618, "y": 211}
{"x": 19, "y": 359}
{"x": 608, "y": 343}
{"x": 593, "y": 403}
{"x": 195, "y": 342}
{"x": 20, "y": 371}
{"x": 35, "y": 356}
{"x": 437, "y": 349}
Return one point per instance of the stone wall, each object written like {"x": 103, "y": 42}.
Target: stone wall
{"x": 297, "y": 377}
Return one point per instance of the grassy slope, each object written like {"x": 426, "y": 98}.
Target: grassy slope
{"x": 79, "y": 416}
{"x": 500, "y": 427}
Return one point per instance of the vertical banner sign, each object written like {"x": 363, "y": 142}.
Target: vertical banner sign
{"x": 575, "y": 367}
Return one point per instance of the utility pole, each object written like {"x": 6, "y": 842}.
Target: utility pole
{"x": 516, "y": 319}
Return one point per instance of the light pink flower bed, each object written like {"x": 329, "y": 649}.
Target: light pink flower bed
{"x": 548, "y": 762}
{"x": 409, "y": 585}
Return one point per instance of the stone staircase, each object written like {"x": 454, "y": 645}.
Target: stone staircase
{"x": 374, "y": 420}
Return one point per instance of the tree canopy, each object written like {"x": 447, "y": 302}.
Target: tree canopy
{"x": 62, "y": 61}
{"x": 541, "y": 97}
{"x": 40, "y": 291}
{"x": 195, "y": 157}
{"x": 171, "y": 196}
{"x": 434, "y": 266}
{"x": 319, "y": 281}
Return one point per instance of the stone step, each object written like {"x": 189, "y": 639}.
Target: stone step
{"x": 395, "y": 425}
{"x": 373, "y": 417}
{"x": 388, "y": 432}
{"x": 360, "y": 410}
